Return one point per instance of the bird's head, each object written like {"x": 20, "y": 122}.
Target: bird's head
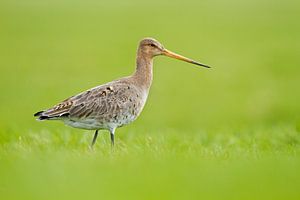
{"x": 151, "y": 48}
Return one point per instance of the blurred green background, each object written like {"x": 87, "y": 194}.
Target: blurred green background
{"x": 227, "y": 132}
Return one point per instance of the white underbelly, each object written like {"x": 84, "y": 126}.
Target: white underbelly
{"x": 90, "y": 124}
{"x": 94, "y": 124}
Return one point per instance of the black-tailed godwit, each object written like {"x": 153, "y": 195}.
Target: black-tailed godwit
{"x": 116, "y": 103}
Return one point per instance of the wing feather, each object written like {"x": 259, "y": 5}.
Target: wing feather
{"x": 98, "y": 101}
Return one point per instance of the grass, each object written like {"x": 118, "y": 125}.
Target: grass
{"x": 230, "y": 132}
{"x": 260, "y": 164}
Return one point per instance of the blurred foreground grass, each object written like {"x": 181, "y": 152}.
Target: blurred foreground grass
{"x": 231, "y": 132}
{"x": 246, "y": 164}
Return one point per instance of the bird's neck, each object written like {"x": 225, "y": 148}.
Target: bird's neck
{"x": 143, "y": 73}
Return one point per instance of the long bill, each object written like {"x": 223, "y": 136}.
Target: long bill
{"x": 179, "y": 57}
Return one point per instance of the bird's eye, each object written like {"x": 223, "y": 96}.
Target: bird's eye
{"x": 152, "y": 45}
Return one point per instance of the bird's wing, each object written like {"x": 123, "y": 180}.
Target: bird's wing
{"x": 96, "y": 101}
{"x": 93, "y": 101}
{"x": 105, "y": 100}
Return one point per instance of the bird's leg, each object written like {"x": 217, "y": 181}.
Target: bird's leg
{"x": 112, "y": 137}
{"x": 94, "y": 138}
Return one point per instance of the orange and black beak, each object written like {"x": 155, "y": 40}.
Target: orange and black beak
{"x": 179, "y": 57}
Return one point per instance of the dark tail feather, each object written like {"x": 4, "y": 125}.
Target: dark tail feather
{"x": 43, "y": 116}
{"x": 38, "y": 114}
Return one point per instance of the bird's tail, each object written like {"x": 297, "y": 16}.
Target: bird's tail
{"x": 43, "y": 115}
{"x": 57, "y": 112}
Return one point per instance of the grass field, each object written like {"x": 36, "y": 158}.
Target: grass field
{"x": 230, "y": 132}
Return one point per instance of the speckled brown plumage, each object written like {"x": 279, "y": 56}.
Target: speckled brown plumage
{"x": 116, "y": 103}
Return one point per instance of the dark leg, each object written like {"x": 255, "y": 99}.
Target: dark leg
{"x": 94, "y": 139}
{"x": 112, "y": 137}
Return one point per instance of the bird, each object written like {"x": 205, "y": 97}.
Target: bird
{"x": 114, "y": 104}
